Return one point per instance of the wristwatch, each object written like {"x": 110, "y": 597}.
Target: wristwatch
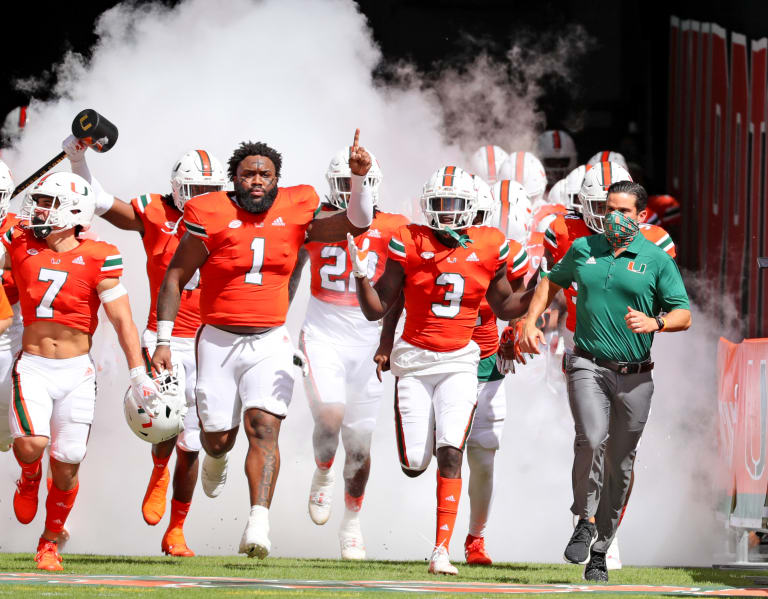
{"x": 661, "y": 323}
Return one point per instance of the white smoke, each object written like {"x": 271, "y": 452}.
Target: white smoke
{"x": 297, "y": 75}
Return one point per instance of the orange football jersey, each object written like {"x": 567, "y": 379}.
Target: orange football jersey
{"x": 163, "y": 230}
{"x": 244, "y": 280}
{"x": 444, "y": 286}
{"x": 331, "y": 268}
{"x": 60, "y": 286}
{"x": 663, "y": 210}
{"x": 486, "y": 333}
{"x": 9, "y": 285}
{"x": 565, "y": 230}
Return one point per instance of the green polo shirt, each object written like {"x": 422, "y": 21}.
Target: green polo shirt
{"x": 643, "y": 276}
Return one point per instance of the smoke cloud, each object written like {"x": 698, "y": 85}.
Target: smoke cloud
{"x": 297, "y": 75}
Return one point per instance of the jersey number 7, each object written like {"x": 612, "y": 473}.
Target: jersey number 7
{"x": 57, "y": 279}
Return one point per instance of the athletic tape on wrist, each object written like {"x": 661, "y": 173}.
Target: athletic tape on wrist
{"x": 137, "y": 373}
{"x": 164, "y": 330}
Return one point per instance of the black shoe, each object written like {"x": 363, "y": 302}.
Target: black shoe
{"x": 577, "y": 551}
{"x": 596, "y": 570}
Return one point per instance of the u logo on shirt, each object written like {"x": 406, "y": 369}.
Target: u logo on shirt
{"x": 633, "y": 267}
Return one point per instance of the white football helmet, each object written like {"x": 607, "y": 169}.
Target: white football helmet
{"x": 557, "y": 193}
{"x": 608, "y": 156}
{"x": 169, "y": 421}
{"x": 525, "y": 168}
{"x": 557, "y": 152}
{"x": 197, "y": 172}
{"x": 573, "y": 186}
{"x": 73, "y": 203}
{"x": 515, "y": 212}
{"x": 14, "y": 123}
{"x": 449, "y": 199}
{"x": 6, "y": 189}
{"x": 339, "y": 177}
{"x": 487, "y": 161}
{"x": 487, "y": 214}
{"x": 594, "y": 192}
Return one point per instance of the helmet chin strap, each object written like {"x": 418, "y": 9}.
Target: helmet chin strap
{"x": 463, "y": 240}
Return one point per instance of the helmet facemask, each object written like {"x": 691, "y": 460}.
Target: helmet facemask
{"x": 453, "y": 213}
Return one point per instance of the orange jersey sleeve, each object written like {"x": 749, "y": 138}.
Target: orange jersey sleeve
{"x": 660, "y": 237}
{"x": 5, "y": 306}
{"x": 331, "y": 269}
{"x": 61, "y": 286}
{"x": 444, "y": 286}
{"x": 163, "y": 230}
{"x": 244, "y": 280}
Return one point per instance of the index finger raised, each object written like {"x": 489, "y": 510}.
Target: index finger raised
{"x": 356, "y": 142}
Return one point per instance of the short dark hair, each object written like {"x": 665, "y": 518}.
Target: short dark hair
{"x": 635, "y": 189}
{"x": 249, "y": 148}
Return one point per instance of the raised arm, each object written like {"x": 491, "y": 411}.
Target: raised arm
{"x": 190, "y": 255}
{"x": 376, "y": 301}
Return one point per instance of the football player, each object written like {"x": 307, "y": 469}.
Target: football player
{"x": 246, "y": 244}
{"x": 444, "y": 269}
{"x": 527, "y": 170}
{"x": 62, "y": 281}
{"x": 557, "y": 152}
{"x": 10, "y": 339}
{"x": 157, "y": 219}
{"x": 339, "y": 344}
{"x": 608, "y": 156}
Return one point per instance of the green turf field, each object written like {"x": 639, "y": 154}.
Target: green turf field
{"x": 330, "y": 570}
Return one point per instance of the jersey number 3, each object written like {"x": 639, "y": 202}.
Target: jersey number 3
{"x": 452, "y": 296}
{"x": 56, "y": 278}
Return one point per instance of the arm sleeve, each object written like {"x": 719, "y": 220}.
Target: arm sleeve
{"x": 670, "y": 290}
{"x": 111, "y": 265}
{"x": 564, "y": 271}
{"x": 518, "y": 262}
{"x": 360, "y": 205}
{"x": 396, "y": 247}
{"x": 139, "y": 205}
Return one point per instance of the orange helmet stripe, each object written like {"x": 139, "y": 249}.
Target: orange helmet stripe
{"x": 207, "y": 169}
{"x": 491, "y": 162}
{"x": 504, "y": 193}
{"x": 605, "y": 156}
{"x": 556, "y": 139}
{"x": 607, "y": 174}
{"x": 448, "y": 176}
{"x": 22, "y": 116}
{"x": 520, "y": 167}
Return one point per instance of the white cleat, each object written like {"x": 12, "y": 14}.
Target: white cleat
{"x": 255, "y": 540}
{"x": 439, "y": 563}
{"x": 613, "y": 557}
{"x": 351, "y": 540}
{"x": 213, "y": 474}
{"x": 321, "y": 495}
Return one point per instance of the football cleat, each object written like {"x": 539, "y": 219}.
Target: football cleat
{"x": 439, "y": 563}
{"x": 153, "y": 506}
{"x": 596, "y": 570}
{"x": 213, "y": 475}
{"x": 613, "y": 557}
{"x": 255, "y": 540}
{"x": 25, "y": 499}
{"x": 475, "y": 553}
{"x": 47, "y": 556}
{"x": 175, "y": 544}
{"x": 351, "y": 540}
{"x": 321, "y": 495}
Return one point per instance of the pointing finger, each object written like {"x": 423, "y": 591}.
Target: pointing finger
{"x": 356, "y": 143}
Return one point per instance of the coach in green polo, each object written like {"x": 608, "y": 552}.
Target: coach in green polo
{"x": 629, "y": 289}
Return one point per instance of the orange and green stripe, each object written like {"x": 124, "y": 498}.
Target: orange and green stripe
{"x": 19, "y": 404}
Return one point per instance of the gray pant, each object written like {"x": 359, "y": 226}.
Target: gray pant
{"x": 609, "y": 412}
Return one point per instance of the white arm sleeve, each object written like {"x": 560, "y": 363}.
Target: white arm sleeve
{"x": 80, "y": 167}
{"x": 360, "y": 205}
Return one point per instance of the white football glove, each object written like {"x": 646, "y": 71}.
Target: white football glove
{"x": 300, "y": 360}
{"x": 74, "y": 148}
{"x": 144, "y": 391}
{"x": 359, "y": 256}
{"x": 504, "y": 366}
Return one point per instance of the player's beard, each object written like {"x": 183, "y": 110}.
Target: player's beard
{"x": 256, "y": 206}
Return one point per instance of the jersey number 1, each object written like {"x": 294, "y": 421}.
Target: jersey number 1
{"x": 254, "y": 276}
{"x": 57, "y": 278}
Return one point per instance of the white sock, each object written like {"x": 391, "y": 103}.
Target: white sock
{"x": 480, "y": 488}
{"x": 259, "y": 515}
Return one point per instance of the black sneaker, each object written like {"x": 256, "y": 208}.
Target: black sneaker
{"x": 577, "y": 551}
{"x": 596, "y": 570}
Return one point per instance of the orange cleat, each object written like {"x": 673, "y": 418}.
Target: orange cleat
{"x": 48, "y": 557}
{"x": 25, "y": 499}
{"x": 175, "y": 544}
{"x": 474, "y": 551}
{"x": 153, "y": 506}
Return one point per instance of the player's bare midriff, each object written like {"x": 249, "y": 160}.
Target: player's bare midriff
{"x": 242, "y": 330}
{"x": 55, "y": 341}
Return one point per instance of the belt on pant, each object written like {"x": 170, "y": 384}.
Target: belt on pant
{"x": 620, "y": 367}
